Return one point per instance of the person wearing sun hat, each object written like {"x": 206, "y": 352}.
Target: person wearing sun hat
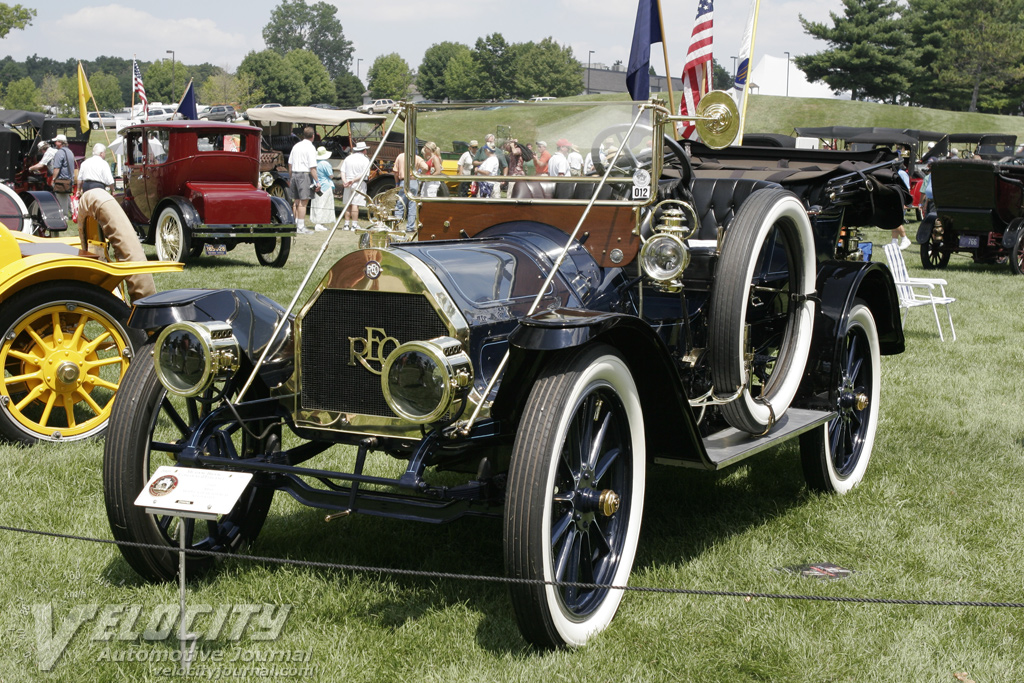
{"x": 322, "y": 205}
{"x": 558, "y": 165}
{"x": 352, "y": 171}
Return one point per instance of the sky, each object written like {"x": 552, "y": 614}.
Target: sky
{"x": 222, "y": 33}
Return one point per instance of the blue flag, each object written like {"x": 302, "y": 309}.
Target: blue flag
{"x": 646, "y": 32}
{"x": 187, "y": 107}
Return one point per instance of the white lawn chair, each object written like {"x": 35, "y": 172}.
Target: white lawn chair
{"x": 907, "y": 287}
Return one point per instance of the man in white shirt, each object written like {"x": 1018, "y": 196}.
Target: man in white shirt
{"x": 353, "y": 172}
{"x": 44, "y": 164}
{"x": 575, "y": 160}
{"x": 558, "y": 165}
{"x": 94, "y": 173}
{"x": 302, "y": 164}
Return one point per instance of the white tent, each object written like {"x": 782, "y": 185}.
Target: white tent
{"x": 769, "y": 78}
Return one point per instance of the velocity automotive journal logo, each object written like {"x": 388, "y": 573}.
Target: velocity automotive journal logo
{"x": 127, "y": 622}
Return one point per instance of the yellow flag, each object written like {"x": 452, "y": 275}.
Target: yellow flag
{"x": 84, "y": 95}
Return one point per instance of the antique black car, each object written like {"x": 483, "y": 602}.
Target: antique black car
{"x": 979, "y": 210}
{"x": 20, "y": 135}
{"x": 531, "y": 357}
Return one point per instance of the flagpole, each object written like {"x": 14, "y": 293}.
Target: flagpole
{"x": 96, "y": 108}
{"x": 750, "y": 74}
{"x": 664, "y": 48}
{"x": 183, "y": 94}
{"x": 131, "y": 112}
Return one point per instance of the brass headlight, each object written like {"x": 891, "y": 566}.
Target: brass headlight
{"x": 266, "y": 179}
{"x": 190, "y": 356}
{"x": 664, "y": 257}
{"x": 421, "y": 380}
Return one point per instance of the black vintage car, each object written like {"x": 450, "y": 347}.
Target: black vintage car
{"x": 531, "y": 357}
{"x": 979, "y": 210}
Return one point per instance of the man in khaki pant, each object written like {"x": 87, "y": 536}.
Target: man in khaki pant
{"x": 119, "y": 232}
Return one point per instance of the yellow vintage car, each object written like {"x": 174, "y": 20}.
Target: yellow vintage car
{"x": 65, "y": 344}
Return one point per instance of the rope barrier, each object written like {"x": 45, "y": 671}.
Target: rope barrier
{"x": 511, "y": 580}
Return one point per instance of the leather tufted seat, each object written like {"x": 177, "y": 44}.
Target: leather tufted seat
{"x": 533, "y": 189}
{"x": 716, "y": 199}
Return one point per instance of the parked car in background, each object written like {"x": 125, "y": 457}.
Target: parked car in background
{"x": 159, "y": 114}
{"x": 101, "y": 119}
{"x": 541, "y": 99}
{"x": 978, "y": 210}
{"x": 376, "y": 107}
{"x": 190, "y": 184}
{"x": 220, "y": 112}
{"x": 245, "y": 114}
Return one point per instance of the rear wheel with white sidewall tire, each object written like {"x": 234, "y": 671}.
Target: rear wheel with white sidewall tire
{"x": 173, "y": 240}
{"x": 770, "y": 226}
{"x": 837, "y": 463}
{"x": 1017, "y": 255}
{"x": 575, "y": 496}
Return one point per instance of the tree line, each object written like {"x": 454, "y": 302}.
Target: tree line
{"x": 958, "y": 55}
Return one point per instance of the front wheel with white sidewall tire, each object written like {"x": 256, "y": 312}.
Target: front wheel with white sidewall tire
{"x": 772, "y": 235}
{"x": 575, "y": 496}
{"x": 173, "y": 239}
{"x": 837, "y": 463}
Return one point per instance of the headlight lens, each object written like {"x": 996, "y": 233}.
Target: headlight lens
{"x": 266, "y": 179}
{"x": 189, "y": 356}
{"x": 422, "y": 380}
{"x": 664, "y": 257}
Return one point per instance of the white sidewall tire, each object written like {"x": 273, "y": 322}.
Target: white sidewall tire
{"x": 860, "y": 316}
{"x": 608, "y": 370}
{"x": 166, "y": 251}
{"x": 789, "y": 214}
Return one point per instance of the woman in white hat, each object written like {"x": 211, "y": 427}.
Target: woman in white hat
{"x": 322, "y": 206}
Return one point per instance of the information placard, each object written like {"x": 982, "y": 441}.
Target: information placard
{"x": 192, "y": 492}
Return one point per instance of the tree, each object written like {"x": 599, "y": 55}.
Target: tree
{"x": 50, "y": 94}
{"x": 14, "y": 17}
{"x": 277, "y": 78}
{"x": 294, "y": 25}
{"x": 314, "y": 75}
{"x": 107, "y": 91}
{"x": 545, "y": 68}
{"x": 430, "y": 78}
{"x": 492, "y": 60}
{"x": 389, "y": 76}
{"x": 22, "y": 94}
{"x": 460, "y": 77}
{"x": 348, "y": 91}
{"x": 970, "y": 51}
{"x": 68, "y": 96}
{"x": 720, "y": 77}
{"x": 870, "y": 52}
{"x": 164, "y": 84}
{"x": 222, "y": 87}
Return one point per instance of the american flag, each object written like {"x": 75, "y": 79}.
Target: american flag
{"x": 138, "y": 87}
{"x": 697, "y": 72}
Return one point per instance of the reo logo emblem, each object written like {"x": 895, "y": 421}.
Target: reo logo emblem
{"x": 371, "y": 350}
{"x": 373, "y": 270}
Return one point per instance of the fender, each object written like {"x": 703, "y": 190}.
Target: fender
{"x": 664, "y": 401}
{"x": 924, "y": 230}
{"x": 188, "y": 214}
{"x": 49, "y": 209}
{"x": 43, "y": 260}
{"x": 1012, "y": 231}
{"x": 839, "y": 284}
{"x": 281, "y": 211}
{"x": 252, "y": 316}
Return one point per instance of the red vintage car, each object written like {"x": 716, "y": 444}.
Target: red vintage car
{"x": 193, "y": 186}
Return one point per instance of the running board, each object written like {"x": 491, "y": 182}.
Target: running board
{"x": 729, "y": 446}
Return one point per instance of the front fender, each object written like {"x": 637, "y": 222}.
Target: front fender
{"x": 189, "y": 214}
{"x": 670, "y": 425}
{"x": 55, "y": 260}
{"x": 49, "y": 208}
{"x": 924, "y": 230}
{"x": 252, "y": 316}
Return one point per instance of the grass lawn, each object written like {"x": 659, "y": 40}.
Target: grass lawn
{"x": 938, "y": 518}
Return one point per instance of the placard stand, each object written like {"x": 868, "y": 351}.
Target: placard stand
{"x": 190, "y": 493}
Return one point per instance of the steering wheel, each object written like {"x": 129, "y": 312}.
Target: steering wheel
{"x": 628, "y": 159}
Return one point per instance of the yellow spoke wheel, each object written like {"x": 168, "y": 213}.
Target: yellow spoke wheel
{"x": 64, "y": 351}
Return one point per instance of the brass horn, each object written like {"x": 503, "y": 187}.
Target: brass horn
{"x": 717, "y": 119}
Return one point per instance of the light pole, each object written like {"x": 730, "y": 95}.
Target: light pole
{"x": 787, "y": 74}
{"x": 588, "y": 70}
{"x": 734, "y": 58}
{"x": 174, "y": 89}
{"x": 358, "y": 62}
